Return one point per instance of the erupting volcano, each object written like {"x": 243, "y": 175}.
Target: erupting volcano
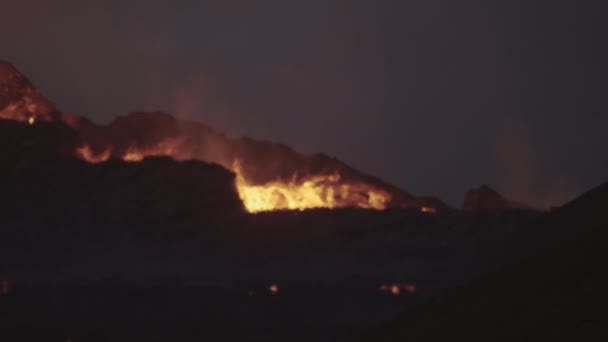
{"x": 268, "y": 176}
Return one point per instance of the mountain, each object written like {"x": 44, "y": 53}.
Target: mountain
{"x": 19, "y": 99}
{"x": 290, "y": 179}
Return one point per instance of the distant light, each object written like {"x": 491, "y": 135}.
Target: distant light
{"x": 395, "y": 290}
{"x": 428, "y": 210}
{"x": 31, "y": 120}
{"x": 274, "y": 288}
{"x": 411, "y": 288}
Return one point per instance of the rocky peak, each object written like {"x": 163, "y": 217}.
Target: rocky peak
{"x": 483, "y": 197}
{"x": 19, "y": 99}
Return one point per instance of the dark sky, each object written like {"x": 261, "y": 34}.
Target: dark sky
{"x": 435, "y": 96}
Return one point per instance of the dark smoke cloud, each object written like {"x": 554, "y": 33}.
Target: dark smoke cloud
{"x": 415, "y": 92}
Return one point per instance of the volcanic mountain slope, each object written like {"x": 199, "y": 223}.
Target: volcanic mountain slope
{"x": 257, "y": 163}
{"x": 558, "y": 293}
{"x": 269, "y": 175}
{"x": 19, "y": 100}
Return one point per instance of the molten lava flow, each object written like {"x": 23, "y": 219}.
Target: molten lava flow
{"x": 317, "y": 191}
{"x": 139, "y": 135}
{"x": 86, "y": 153}
{"x": 169, "y": 147}
{"x": 314, "y": 191}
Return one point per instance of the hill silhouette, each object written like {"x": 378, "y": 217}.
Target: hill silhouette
{"x": 139, "y": 134}
{"x": 558, "y": 292}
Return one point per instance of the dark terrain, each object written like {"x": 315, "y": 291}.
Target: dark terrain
{"x": 558, "y": 292}
{"x": 162, "y": 250}
{"x": 151, "y": 250}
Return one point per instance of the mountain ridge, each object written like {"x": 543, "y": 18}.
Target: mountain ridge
{"x": 140, "y": 134}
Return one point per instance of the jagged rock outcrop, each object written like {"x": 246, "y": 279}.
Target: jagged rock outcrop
{"x": 20, "y": 100}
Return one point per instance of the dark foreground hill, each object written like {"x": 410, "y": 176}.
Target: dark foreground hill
{"x": 40, "y": 180}
{"x": 558, "y": 293}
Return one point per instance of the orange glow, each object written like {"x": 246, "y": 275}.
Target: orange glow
{"x": 86, "y": 153}
{"x": 298, "y": 193}
{"x": 322, "y": 189}
{"x": 274, "y": 288}
{"x": 428, "y": 210}
{"x": 168, "y": 147}
{"x": 395, "y": 289}
{"x": 316, "y": 191}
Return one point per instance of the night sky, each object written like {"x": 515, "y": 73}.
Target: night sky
{"x": 435, "y": 96}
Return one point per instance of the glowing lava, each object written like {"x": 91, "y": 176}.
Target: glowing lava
{"x": 315, "y": 191}
{"x": 168, "y": 147}
{"x": 135, "y": 137}
{"x": 86, "y": 153}
{"x": 298, "y": 192}
{"x": 308, "y": 192}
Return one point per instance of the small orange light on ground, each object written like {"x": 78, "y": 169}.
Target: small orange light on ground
{"x": 274, "y": 288}
{"x": 428, "y": 210}
{"x": 395, "y": 290}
